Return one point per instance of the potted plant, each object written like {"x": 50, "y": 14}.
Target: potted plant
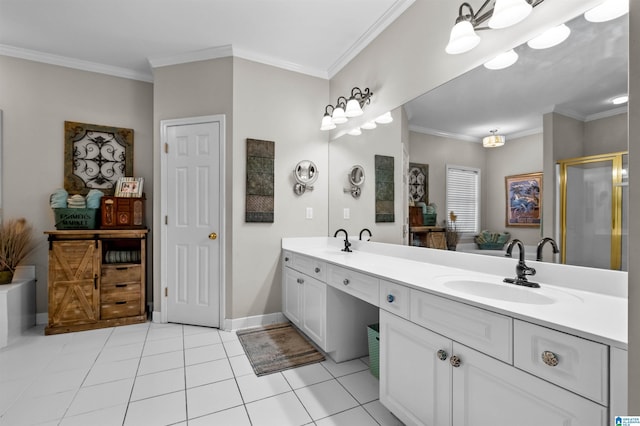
{"x": 16, "y": 242}
{"x": 451, "y": 233}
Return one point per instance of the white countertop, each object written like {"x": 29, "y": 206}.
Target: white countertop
{"x": 587, "y": 302}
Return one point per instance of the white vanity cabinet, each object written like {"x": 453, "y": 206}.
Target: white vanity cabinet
{"x": 428, "y": 377}
{"x": 305, "y": 297}
{"x": 329, "y": 314}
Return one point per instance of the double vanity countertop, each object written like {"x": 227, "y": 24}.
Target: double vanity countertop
{"x": 586, "y": 302}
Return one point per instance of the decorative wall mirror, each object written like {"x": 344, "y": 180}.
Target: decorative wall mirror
{"x": 356, "y": 179}
{"x": 305, "y": 174}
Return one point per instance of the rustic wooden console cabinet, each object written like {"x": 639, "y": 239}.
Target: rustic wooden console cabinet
{"x": 96, "y": 279}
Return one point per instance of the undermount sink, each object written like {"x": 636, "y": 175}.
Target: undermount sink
{"x": 506, "y": 292}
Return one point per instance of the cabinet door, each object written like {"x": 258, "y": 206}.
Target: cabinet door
{"x": 314, "y": 310}
{"x": 73, "y": 282}
{"x": 415, "y": 384}
{"x": 489, "y": 392}
{"x": 292, "y": 295}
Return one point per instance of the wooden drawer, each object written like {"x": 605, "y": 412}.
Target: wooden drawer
{"x": 118, "y": 273}
{"x": 307, "y": 265}
{"x": 362, "y": 286}
{"x": 395, "y": 298}
{"x": 477, "y": 328}
{"x": 582, "y": 365}
{"x": 120, "y": 309}
{"x": 114, "y": 292}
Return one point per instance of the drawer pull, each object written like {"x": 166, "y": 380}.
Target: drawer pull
{"x": 317, "y": 270}
{"x": 300, "y": 281}
{"x": 121, "y": 303}
{"x": 455, "y": 361}
{"x": 390, "y": 298}
{"x": 442, "y": 355}
{"x": 345, "y": 281}
{"x": 286, "y": 259}
{"x": 121, "y": 285}
{"x": 122, "y": 268}
{"x": 550, "y": 358}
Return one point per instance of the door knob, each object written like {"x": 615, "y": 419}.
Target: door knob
{"x": 213, "y": 236}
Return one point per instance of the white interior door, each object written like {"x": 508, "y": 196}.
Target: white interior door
{"x": 193, "y": 249}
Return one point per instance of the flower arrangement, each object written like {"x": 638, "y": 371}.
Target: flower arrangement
{"x": 451, "y": 233}
{"x": 16, "y": 242}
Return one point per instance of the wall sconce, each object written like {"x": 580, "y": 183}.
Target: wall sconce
{"x": 504, "y": 13}
{"x": 345, "y": 108}
{"x": 494, "y": 140}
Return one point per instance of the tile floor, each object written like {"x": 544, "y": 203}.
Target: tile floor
{"x": 169, "y": 374}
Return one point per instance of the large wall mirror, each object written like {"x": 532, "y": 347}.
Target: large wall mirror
{"x": 551, "y": 105}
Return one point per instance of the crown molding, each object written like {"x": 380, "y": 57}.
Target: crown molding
{"x": 63, "y": 61}
{"x": 434, "y": 132}
{"x": 605, "y": 114}
{"x": 194, "y": 56}
{"x": 290, "y": 66}
{"x": 374, "y": 31}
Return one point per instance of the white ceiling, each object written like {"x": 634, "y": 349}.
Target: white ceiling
{"x": 316, "y": 37}
{"x": 577, "y": 78}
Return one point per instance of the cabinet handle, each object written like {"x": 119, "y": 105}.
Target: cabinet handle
{"x": 121, "y": 285}
{"x": 317, "y": 270}
{"x": 550, "y": 358}
{"x": 345, "y": 281}
{"x": 121, "y": 303}
{"x": 390, "y": 298}
{"x": 455, "y": 361}
{"x": 442, "y": 355}
{"x": 300, "y": 281}
{"x": 286, "y": 259}
{"x": 95, "y": 282}
{"x": 122, "y": 268}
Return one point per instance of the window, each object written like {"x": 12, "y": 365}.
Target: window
{"x": 463, "y": 197}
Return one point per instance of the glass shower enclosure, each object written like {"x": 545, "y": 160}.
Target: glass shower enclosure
{"x": 593, "y": 220}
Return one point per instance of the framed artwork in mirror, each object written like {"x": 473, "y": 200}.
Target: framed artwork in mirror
{"x": 419, "y": 182}
{"x": 129, "y": 187}
{"x": 524, "y": 199}
{"x": 96, "y": 156}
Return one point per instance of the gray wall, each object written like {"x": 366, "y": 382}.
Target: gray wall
{"x": 36, "y": 100}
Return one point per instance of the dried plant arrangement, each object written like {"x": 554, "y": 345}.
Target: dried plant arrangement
{"x": 16, "y": 242}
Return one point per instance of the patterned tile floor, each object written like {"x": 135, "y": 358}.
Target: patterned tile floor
{"x": 170, "y": 374}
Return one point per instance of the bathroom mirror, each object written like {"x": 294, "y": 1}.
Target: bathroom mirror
{"x": 446, "y": 124}
{"x": 305, "y": 174}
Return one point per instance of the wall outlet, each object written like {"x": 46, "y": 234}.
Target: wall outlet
{"x": 346, "y": 213}
{"x": 309, "y": 214}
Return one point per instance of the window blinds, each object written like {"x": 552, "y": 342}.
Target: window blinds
{"x": 463, "y": 198}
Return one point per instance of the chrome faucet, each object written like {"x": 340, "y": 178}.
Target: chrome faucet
{"x": 365, "y": 229}
{"x": 522, "y": 270}
{"x": 347, "y": 244}
{"x": 541, "y": 244}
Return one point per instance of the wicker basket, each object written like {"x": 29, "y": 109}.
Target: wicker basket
{"x": 491, "y": 240}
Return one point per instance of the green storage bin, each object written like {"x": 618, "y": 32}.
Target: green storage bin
{"x": 373, "y": 331}
{"x": 76, "y": 218}
{"x": 429, "y": 219}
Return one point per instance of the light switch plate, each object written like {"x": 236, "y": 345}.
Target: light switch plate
{"x": 346, "y": 213}
{"x": 309, "y": 214}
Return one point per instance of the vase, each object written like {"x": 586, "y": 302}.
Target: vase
{"x": 6, "y": 277}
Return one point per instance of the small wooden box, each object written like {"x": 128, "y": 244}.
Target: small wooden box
{"x": 121, "y": 212}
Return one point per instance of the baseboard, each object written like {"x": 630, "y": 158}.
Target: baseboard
{"x": 254, "y": 321}
{"x": 156, "y": 316}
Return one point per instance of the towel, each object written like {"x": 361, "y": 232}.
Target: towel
{"x": 93, "y": 199}
{"x": 58, "y": 200}
{"x": 77, "y": 202}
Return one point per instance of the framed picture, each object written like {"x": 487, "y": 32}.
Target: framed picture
{"x": 419, "y": 182}
{"x": 95, "y": 157}
{"x": 524, "y": 199}
{"x": 129, "y": 187}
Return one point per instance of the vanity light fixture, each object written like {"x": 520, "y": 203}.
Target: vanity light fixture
{"x": 607, "y": 11}
{"x": 494, "y": 140}
{"x": 503, "y": 14}
{"x": 503, "y": 60}
{"x": 551, "y": 37}
{"x": 369, "y": 125}
{"x": 620, "y": 100}
{"x": 355, "y": 132}
{"x": 345, "y": 108}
